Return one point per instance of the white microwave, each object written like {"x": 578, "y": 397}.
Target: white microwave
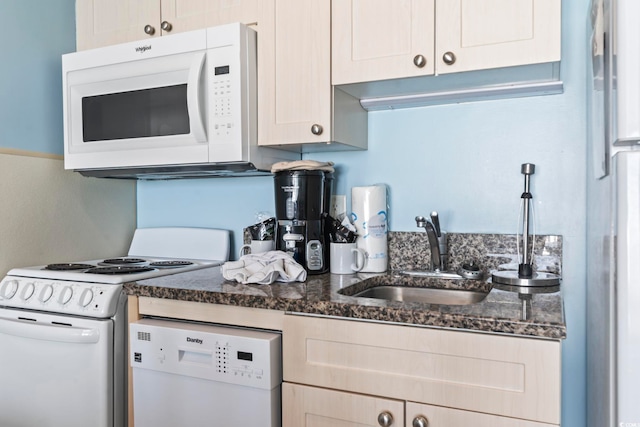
{"x": 177, "y": 106}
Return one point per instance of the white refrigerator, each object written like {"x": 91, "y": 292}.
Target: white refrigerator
{"x": 613, "y": 216}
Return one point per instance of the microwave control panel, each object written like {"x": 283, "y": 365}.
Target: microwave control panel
{"x": 223, "y": 102}
{"x": 232, "y": 81}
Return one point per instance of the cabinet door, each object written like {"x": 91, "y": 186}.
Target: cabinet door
{"x": 438, "y": 416}
{"x": 294, "y": 83}
{"x": 481, "y": 34}
{"x": 381, "y": 39}
{"x": 106, "y": 22}
{"x": 514, "y": 377}
{"x": 304, "y": 406}
{"x": 187, "y": 15}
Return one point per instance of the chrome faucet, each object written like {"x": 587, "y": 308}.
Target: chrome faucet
{"x": 437, "y": 241}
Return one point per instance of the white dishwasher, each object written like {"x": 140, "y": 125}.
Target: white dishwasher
{"x": 192, "y": 374}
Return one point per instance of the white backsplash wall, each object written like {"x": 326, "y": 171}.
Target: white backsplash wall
{"x": 50, "y": 215}
{"x": 462, "y": 160}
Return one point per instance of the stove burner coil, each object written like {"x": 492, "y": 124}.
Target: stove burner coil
{"x": 119, "y": 270}
{"x": 124, "y": 261}
{"x": 170, "y": 264}
{"x": 67, "y": 267}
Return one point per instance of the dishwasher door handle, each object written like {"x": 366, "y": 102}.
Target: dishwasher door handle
{"x": 48, "y": 332}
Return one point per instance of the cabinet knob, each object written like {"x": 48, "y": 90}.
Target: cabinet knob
{"x": 385, "y": 419}
{"x": 148, "y": 29}
{"x": 166, "y": 26}
{"x": 316, "y": 129}
{"x": 419, "y": 61}
{"x": 449, "y": 58}
{"x": 420, "y": 421}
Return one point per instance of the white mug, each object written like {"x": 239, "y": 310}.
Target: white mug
{"x": 257, "y": 247}
{"x": 346, "y": 258}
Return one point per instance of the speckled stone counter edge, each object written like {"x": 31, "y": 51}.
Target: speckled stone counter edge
{"x": 499, "y": 312}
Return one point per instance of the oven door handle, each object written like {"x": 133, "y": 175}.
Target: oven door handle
{"x": 194, "y": 91}
{"x": 46, "y": 332}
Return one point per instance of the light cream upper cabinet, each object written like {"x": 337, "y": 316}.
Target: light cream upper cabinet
{"x": 389, "y": 39}
{"x": 106, "y": 22}
{"x": 298, "y": 109}
{"x": 482, "y": 34}
{"x": 294, "y": 82}
{"x": 187, "y": 15}
{"x": 381, "y": 39}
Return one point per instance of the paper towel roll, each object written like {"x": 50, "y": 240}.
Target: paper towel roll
{"x": 369, "y": 215}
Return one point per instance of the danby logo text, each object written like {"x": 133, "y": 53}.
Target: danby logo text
{"x": 143, "y": 49}
{"x": 195, "y": 340}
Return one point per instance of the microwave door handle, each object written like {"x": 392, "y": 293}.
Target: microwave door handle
{"x": 193, "y": 98}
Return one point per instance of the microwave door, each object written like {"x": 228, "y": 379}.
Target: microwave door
{"x": 130, "y": 114}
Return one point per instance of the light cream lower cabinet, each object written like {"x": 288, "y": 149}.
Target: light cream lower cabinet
{"x": 305, "y": 406}
{"x": 348, "y": 373}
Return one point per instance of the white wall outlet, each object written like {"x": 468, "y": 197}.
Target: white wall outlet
{"x": 338, "y": 208}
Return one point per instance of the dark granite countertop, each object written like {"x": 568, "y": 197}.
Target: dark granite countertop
{"x": 499, "y": 312}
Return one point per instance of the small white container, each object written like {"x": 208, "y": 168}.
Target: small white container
{"x": 369, "y": 216}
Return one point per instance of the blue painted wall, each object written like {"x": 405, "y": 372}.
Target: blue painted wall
{"x": 462, "y": 160}
{"x": 33, "y": 36}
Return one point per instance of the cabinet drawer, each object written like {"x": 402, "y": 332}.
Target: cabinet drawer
{"x": 510, "y": 376}
{"x": 315, "y": 407}
{"x": 447, "y": 417}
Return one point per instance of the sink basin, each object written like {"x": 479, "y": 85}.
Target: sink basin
{"x": 422, "y": 295}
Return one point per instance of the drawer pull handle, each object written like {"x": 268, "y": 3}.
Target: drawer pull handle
{"x": 385, "y": 419}
{"x": 419, "y": 61}
{"x": 449, "y": 58}
{"x": 316, "y": 129}
{"x": 420, "y": 421}
{"x": 166, "y": 26}
{"x": 148, "y": 29}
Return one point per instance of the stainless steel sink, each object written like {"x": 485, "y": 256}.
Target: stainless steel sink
{"x": 423, "y": 295}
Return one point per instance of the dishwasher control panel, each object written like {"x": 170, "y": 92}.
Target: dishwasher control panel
{"x": 241, "y": 356}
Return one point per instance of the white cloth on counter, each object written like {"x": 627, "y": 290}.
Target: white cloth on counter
{"x": 302, "y": 165}
{"x": 264, "y": 269}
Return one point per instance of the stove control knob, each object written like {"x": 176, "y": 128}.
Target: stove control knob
{"x": 9, "y": 289}
{"x": 65, "y": 295}
{"x": 45, "y": 293}
{"x": 86, "y": 297}
{"x": 27, "y": 291}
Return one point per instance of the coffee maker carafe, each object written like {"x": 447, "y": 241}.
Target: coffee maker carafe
{"x": 302, "y": 204}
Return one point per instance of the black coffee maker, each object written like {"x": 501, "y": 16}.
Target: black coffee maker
{"x": 302, "y": 204}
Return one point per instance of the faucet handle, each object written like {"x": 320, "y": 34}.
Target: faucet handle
{"x": 421, "y": 221}
{"x": 436, "y": 223}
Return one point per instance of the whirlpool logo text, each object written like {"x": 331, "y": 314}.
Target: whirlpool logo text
{"x": 143, "y": 49}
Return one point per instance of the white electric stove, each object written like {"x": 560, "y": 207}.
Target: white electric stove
{"x": 65, "y": 324}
